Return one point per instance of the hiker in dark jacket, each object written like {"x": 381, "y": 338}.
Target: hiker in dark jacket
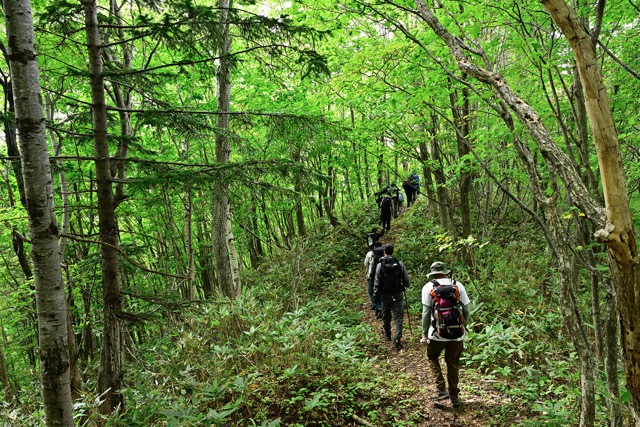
{"x": 390, "y": 281}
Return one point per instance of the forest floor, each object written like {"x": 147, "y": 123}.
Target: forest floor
{"x": 483, "y": 404}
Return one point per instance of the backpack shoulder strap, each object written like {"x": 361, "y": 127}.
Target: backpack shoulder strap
{"x": 435, "y": 284}
{"x": 457, "y": 290}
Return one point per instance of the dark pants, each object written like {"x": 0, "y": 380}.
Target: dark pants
{"x": 375, "y": 300}
{"x": 385, "y": 219}
{"x": 392, "y": 304}
{"x": 410, "y": 191}
{"x": 396, "y": 207}
{"x": 452, "y": 351}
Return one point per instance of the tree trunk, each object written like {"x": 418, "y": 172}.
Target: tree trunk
{"x": 618, "y": 234}
{"x": 9, "y": 394}
{"x": 612, "y": 348}
{"x": 444, "y": 205}
{"x": 190, "y": 287}
{"x": 38, "y": 187}
{"x": 111, "y": 372}
{"x": 461, "y": 120}
{"x": 222, "y": 236}
{"x": 10, "y": 137}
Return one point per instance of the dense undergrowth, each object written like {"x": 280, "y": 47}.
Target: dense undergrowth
{"x": 294, "y": 349}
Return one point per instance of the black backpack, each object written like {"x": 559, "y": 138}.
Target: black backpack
{"x": 391, "y": 276}
{"x": 386, "y": 203}
{"x": 449, "y": 320}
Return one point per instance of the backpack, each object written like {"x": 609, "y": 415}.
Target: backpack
{"x": 386, "y": 203}
{"x": 371, "y": 237}
{"x": 377, "y": 254}
{"x": 449, "y": 321}
{"x": 391, "y": 276}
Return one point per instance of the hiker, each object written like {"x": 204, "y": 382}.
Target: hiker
{"x": 380, "y": 194}
{"x": 410, "y": 191}
{"x": 390, "y": 281}
{"x": 385, "y": 213}
{"x": 374, "y": 236}
{"x": 411, "y": 187}
{"x": 445, "y": 311}
{"x": 395, "y": 195}
{"x": 370, "y": 264}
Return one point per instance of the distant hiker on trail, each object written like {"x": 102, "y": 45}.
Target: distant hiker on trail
{"x": 445, "y": 311}
{"x": 390, "y": 281}
{"x": 411, "y": 187}
{"x": 395, "y": 194}
{"x": 370, "y": 265}
{"x": 385, "y": 212}
{"x": 374, "y": 236}
{"x": 380, "y": 194}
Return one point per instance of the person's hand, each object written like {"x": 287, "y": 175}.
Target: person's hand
{"x": 424, "y": 340}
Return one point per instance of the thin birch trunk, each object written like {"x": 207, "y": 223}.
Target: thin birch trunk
{"x": 43, "y": 227}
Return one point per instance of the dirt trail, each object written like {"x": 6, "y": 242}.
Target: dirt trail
{"x": 483, "y": 405}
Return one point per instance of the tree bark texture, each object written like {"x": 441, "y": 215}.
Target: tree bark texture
{"x": 9, "y": 394}
{"x": 618, "y": 233}
{"x": 111, "y": 372}
{"x": 222, "y": 236}
{"x": 10, "y": 138}
{"x": 38, "y": 187}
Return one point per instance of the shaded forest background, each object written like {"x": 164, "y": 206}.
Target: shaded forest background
{"x": 215, "y": 228}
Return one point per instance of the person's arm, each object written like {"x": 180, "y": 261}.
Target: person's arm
{"x": 426, "y": 322}
{"x": 376, "y": 280}
{"x": 465, "y": 313}
{"x": 406, "y": 276}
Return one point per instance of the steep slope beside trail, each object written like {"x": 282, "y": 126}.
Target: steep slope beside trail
{"x": 483, "y": 405}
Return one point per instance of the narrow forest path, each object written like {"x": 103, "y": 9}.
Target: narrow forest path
{"x": 483, "y": 404}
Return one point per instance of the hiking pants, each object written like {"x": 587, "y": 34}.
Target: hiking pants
{"x": 385, "y": 219}
{"x": 375, "y": 300}
{"x": 452, "y": 351}
{"x": 392, "y": 304}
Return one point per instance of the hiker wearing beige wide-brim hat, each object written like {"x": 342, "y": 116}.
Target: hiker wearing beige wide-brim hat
{"x": 445, "y": 312}
{"x": 438, "y": 267}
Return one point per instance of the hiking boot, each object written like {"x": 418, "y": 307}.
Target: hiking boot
{"x": 455, "y": 401}
{"x": 387, "y": 336}
{"x": 440, "y": 395}
{"x": 398, "y": 344}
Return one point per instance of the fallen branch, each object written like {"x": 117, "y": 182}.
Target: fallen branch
{"x": 362, "y": 421}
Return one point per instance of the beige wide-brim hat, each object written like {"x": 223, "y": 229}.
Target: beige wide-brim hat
{"x": 438, "y": 267}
